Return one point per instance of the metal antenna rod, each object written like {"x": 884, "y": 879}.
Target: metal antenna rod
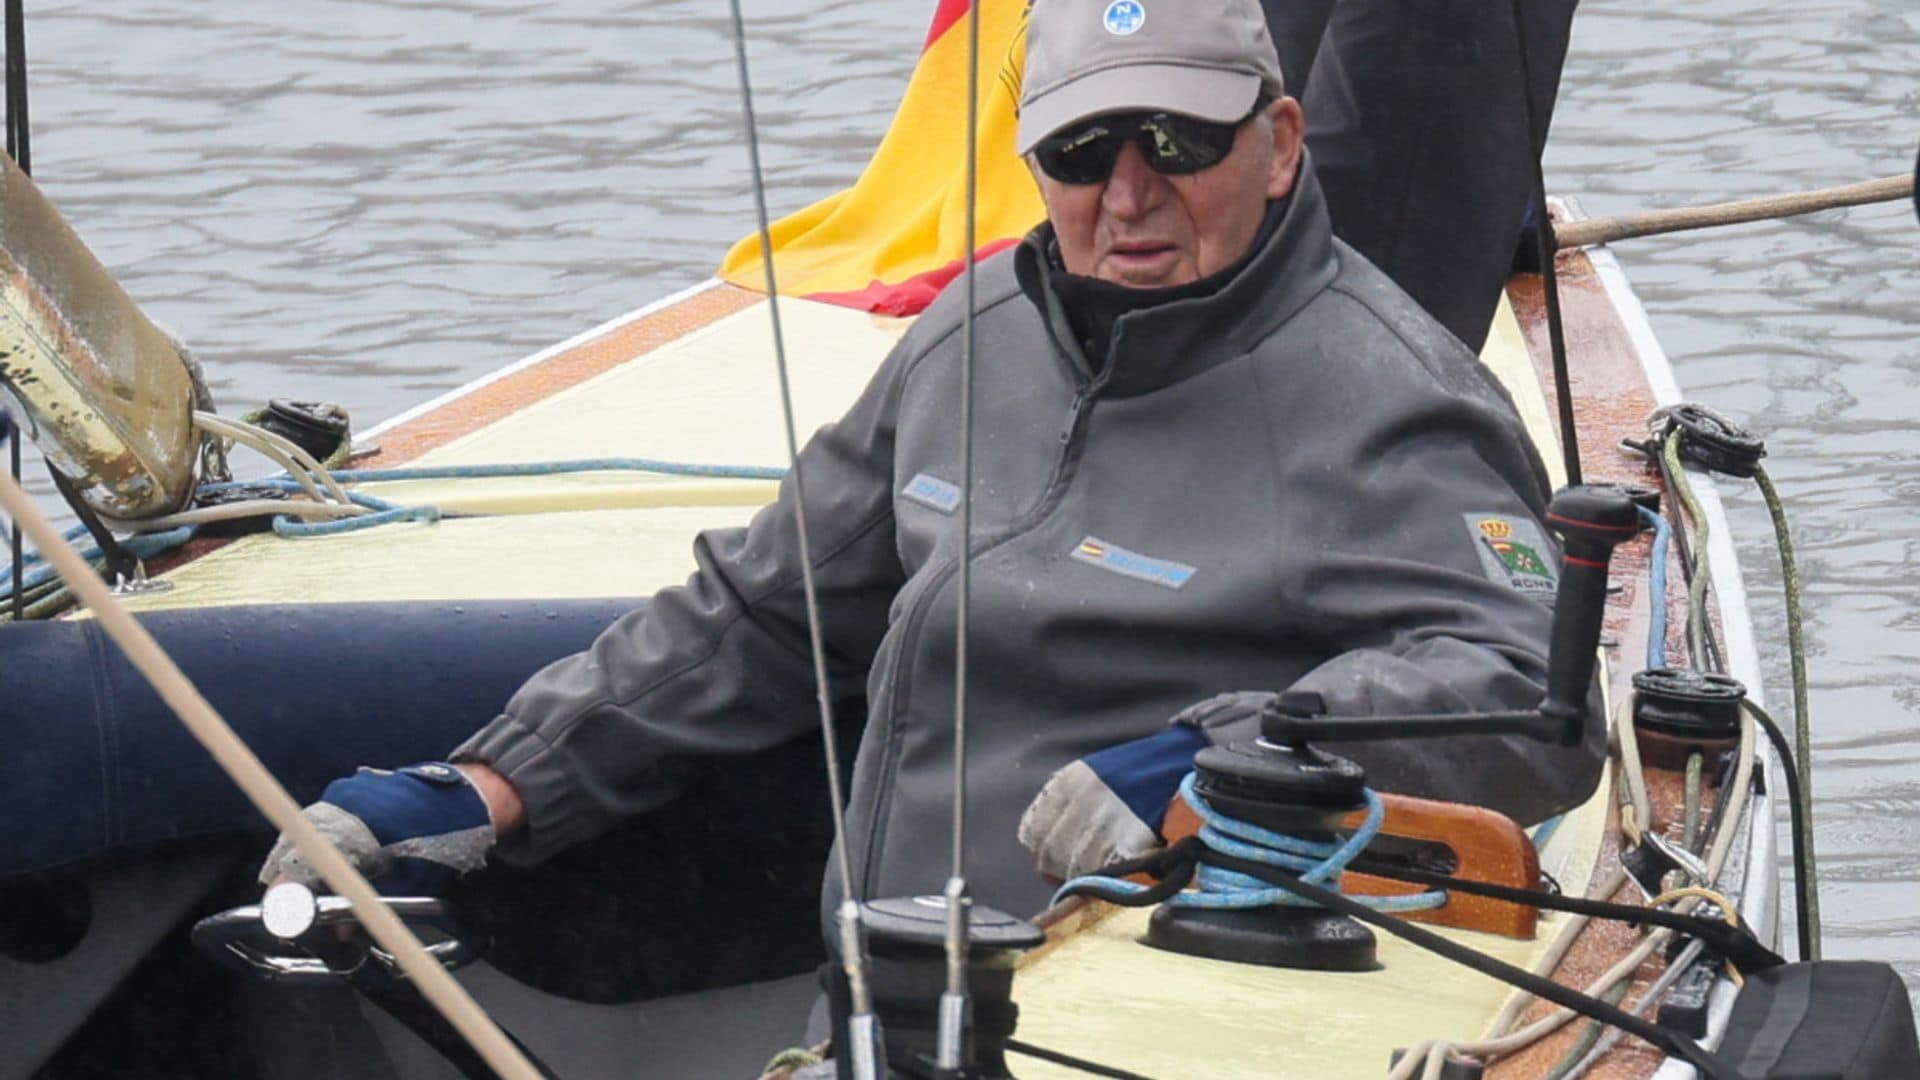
{"x": 863, "y": 1028}
{"x": 19, "y": 149}
{"x": 1546, "y": 246}
{"x": 951, "y": 1040}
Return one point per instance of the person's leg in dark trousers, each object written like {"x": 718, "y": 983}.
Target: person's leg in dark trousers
{"x": 1417, "y": 128}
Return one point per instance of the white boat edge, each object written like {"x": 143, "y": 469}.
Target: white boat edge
{"x": 1759, "y": 906}
{"x": 365, "y": 440}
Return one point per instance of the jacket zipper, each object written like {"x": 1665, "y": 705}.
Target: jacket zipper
{"x": 1077, "y": 414}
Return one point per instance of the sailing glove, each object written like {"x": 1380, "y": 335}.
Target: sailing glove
{"x": 410, "y": 831}
{"x": 1110, "y": 804}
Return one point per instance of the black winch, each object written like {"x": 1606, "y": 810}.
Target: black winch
{"x": 1678, "y": 712}
{"x": 1295, "y": 790}
{"x": 1280, "y": 782}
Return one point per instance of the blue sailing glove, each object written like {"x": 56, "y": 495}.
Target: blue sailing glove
{"x": 410, "y": 831}
{"x": 1108, "y": 805}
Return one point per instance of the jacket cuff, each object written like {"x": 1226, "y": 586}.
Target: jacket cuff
{"x": 534, "y": 768}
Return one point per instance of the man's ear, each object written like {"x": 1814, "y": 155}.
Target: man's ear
{"x": 1289, "y": 135}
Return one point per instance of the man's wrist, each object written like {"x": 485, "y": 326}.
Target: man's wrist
{"x": 504, "y": 807}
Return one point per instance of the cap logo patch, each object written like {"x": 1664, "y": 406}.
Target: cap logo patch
{"x": 1124, "y": 17}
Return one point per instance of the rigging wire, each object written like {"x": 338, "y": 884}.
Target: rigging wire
{"x": 864, "y": 1034}
{"x": 1544, "y": 246}
{"x": 20, "y": 152}
{"x": 18, "y": 146}
{"x": 19, "y": 555}
{"x": 950, "y": 1041}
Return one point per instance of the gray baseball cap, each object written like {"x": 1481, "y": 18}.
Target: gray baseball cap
{"x": 1203, "y": 58}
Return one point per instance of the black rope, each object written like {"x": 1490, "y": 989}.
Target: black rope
{"x": 18, "y": 150}
{"x": 120, "y": 565}
{"x": 1539, "y": 986}
{"x": 1546, "y": 245}
{"x": 1802, "y": 843}
{"x": 1174, "y": 867}
{"x": 19, "y": 572}
{"x": 1027, "y": 1049}
{"x": 1171, "y": 867}
{"x": 1736, "y": 944}
{"x": 17, "y": 145}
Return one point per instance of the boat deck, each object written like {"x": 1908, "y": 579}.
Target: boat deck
{"x": 691, "y": 381}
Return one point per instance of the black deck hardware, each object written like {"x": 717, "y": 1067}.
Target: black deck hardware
{"x": 906, "y": 968}
{"x": 1298, "y": 791}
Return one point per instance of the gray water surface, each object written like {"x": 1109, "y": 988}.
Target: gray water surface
{"x": 373, "y": 202}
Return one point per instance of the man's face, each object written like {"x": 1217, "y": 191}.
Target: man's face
{"x": 1144, "y": 230}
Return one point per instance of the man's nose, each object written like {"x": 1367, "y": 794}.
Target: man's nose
{"x": 1134, "y": 188}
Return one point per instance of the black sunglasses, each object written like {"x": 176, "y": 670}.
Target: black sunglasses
{"x": 1173, "y": 144}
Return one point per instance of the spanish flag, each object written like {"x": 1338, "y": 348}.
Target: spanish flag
{"x": 890, "y": 242}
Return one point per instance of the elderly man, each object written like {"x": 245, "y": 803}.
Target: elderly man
{"x": 1218, "y": 455}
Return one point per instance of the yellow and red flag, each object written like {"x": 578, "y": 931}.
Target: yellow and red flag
{"x": 892, "y": 240}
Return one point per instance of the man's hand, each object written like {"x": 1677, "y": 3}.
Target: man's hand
{"x": 1108, "y": 805}
{"x": 411, "y": 831}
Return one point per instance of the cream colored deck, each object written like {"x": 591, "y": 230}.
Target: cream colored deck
{"x": 709, "y": 396}
{"x": 1102, "y": 995}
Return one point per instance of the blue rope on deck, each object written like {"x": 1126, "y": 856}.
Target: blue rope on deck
{"x": 1657, "y": 584}
{"x": 1317, "y": 862}
{"x": 1544, "y": 831}
{"x": 37, "y": 571}
{"x": 384, "y": 513}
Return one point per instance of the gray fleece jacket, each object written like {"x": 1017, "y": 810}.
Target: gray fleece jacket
{"x": 1300, "y": 481}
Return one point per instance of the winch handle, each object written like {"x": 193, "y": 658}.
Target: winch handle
{"x": 1592, "y": 520}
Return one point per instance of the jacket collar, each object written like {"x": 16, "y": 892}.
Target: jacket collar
{"x": 1162, "y": 345}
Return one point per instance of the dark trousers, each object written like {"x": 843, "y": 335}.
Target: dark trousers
{"x": 1417, "y": 125}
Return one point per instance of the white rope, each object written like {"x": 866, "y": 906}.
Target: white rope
{"x": 297, "y": 462}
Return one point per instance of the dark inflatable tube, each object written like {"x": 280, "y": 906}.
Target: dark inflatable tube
{"x": 96, "y": 761}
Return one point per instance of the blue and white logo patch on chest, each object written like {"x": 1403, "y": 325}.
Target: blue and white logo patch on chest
{"x": 1113, "y": 558}
{"x": 932, "y": 493}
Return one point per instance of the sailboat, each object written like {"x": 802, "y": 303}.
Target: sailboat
{"x": 505, "y": 523}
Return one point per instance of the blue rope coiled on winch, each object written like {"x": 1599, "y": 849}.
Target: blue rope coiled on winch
{"x": 1317, "y": 862}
